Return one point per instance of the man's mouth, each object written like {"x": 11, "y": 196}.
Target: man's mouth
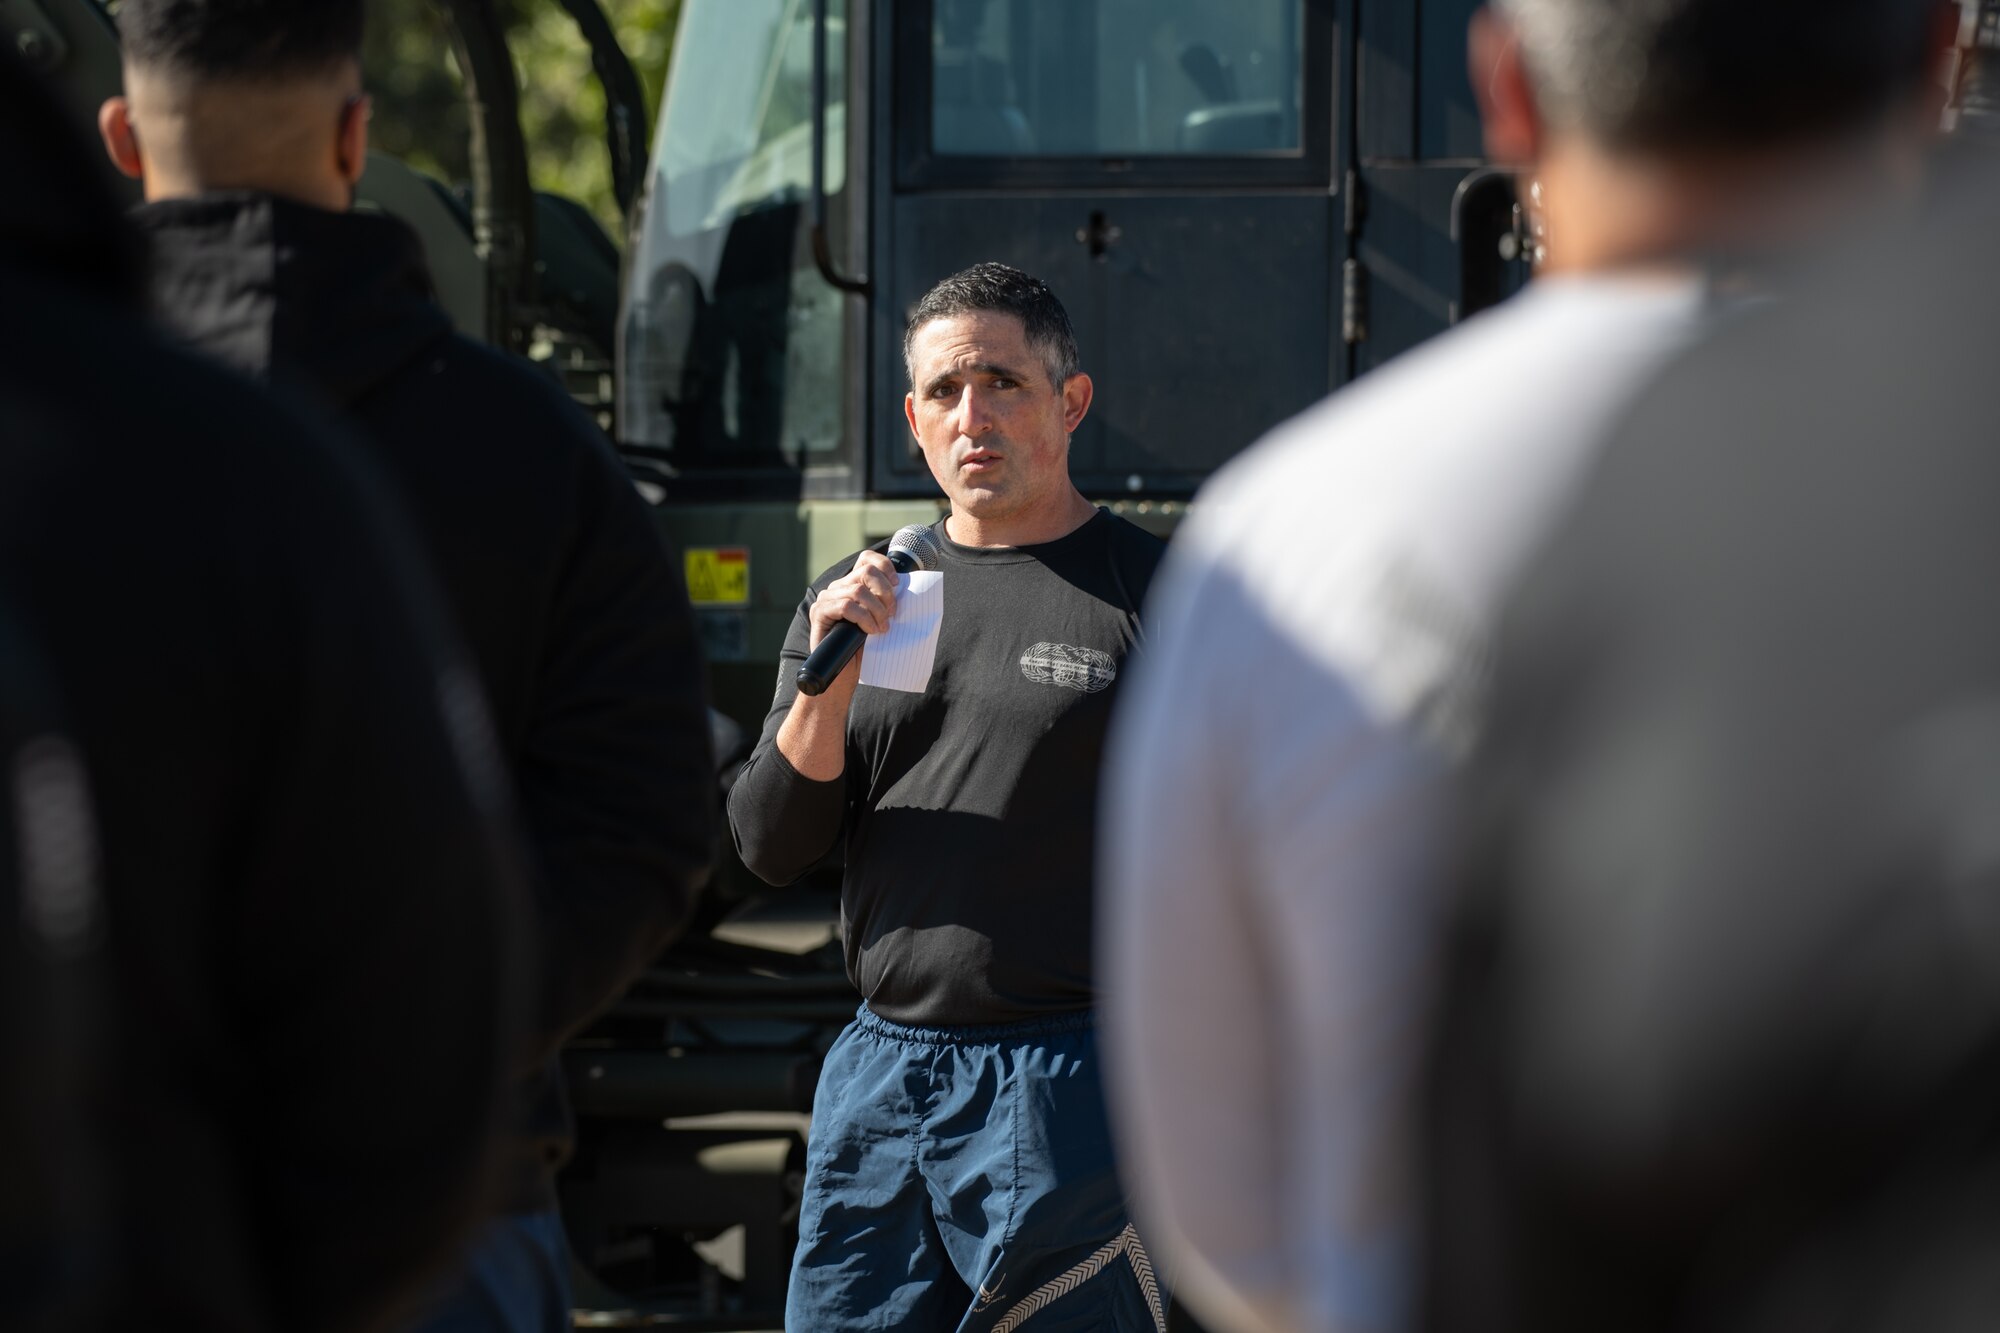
{"x": 979, "y": 460}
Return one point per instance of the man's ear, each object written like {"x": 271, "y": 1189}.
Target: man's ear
{"x": 1077, "y": 392}
{"x": 353, "y": 146}
{"x": 1507, "y": 112}
{"x": 121, "y": 145}
{"x": 910, "y": 415}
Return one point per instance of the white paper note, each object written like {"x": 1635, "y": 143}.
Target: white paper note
{"x": 900, "y": 657}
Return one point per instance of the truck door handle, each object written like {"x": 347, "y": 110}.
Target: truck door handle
{"x": 1100, "y": 235}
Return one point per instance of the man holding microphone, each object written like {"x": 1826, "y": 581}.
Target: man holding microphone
{"x": 959, "y": 1169}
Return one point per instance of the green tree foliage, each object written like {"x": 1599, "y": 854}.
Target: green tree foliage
{"x": 419, "y": 103}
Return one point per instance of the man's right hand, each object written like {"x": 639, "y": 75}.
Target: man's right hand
{"x": 865, "y": 595}
{"x": 813, "y": 736}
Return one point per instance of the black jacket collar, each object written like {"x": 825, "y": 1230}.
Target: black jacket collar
{"x": 289, "y": 293}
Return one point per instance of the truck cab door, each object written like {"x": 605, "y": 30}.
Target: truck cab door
{"x": 1167, "y": 167}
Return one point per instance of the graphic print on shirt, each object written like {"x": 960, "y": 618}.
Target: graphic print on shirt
{"x": 1085, "y": 670}
{"x": 987, "y": 1298}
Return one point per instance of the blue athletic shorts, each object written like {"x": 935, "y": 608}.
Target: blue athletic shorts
{"x": 962, "y": 1178}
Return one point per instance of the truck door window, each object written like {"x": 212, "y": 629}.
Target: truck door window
{"x": 731, "y": 350}
{"x": 1116, "y": 78}
{"x": 737, "y": 130}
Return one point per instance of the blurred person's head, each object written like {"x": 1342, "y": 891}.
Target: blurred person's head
{"x": 1661, "y": 128}
{"x": 241, "y": 95}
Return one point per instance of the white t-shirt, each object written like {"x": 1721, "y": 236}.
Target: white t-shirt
{"x": 1314, "y": 660}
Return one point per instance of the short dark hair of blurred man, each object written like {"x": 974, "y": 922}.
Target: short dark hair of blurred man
{"x": 1719, "y": 1041}
{"x": 269, "y": 816}
{"x": 1274, "y": 801}
{"x": 246, "y": 121}
{"x": 959, "y": 1172}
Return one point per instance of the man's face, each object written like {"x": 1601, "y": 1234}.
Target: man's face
{"x": 993, "y": 426}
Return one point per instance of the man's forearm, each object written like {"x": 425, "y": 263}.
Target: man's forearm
{"x": 784, "y": 822}
{"x": 813, "y": 736}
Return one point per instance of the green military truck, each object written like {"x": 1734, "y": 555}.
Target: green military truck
{"x": 1243, "y": 203}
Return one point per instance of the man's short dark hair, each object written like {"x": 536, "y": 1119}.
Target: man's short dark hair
{"x": 1688, "y": 75}
{"x": 1008, "y": 291}
{"x": 240, "y": 39}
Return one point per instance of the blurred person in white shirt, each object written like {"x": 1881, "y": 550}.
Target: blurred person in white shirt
{"x": 1276, "y": 799}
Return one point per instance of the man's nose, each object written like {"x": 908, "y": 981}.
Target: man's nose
{"x": 973, "y": 418}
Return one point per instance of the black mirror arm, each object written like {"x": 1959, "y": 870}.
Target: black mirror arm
{"x": 822, "y": 247}
{"x": 624, "y": 100}
{"x": 502, "y": 202}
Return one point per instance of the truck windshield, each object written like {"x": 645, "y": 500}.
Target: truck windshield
{"x": 1115, "y": 78}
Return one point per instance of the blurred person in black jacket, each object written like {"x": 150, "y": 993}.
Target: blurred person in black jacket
{"x": 55, "y": 1226}
{"x": 247, "y": 124}
{"x": 310, "y": 893}
{"x": 1719, "y": 1045}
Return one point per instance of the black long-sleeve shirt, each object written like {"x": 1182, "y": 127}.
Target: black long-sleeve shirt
{"x": 969, "y": 811}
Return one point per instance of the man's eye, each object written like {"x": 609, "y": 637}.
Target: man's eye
{"x": 1002, "y": 382}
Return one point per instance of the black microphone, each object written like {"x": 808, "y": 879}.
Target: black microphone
{"x": 912, "y": 548}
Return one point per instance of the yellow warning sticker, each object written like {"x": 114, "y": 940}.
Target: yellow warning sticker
{"x": 718, "y": 575}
